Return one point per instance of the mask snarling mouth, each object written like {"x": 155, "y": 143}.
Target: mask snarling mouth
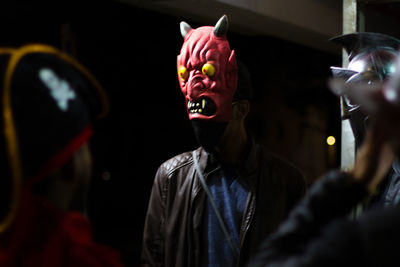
{"x": 204, "y": 106}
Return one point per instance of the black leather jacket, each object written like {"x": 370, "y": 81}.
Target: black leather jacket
{"x": 173, "y": 222}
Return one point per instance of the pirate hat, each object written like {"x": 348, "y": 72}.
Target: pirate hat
{"x": 47, "y": 102}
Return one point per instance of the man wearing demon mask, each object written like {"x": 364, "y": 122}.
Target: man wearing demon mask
{"x": 213, "y": 206}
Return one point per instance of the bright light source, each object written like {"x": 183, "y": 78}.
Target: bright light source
{"x": 330, "y": 140}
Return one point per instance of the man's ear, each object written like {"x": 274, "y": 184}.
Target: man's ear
{"x": 241, "y": 109}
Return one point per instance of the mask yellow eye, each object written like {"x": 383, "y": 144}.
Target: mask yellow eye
{"x": 183, "y": 73}
{"x": 208, "y": 69}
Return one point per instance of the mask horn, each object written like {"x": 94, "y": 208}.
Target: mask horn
{"x": 221, "y": 28}
{"x": 185, "y": 28}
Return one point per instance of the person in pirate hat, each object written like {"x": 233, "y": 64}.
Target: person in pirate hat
{"x": 318, "y": 231}
{"x": 48, "y": 104}
{"x": 214, "y": 205}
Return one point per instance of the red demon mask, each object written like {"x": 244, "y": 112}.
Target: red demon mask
{"x": 207, "y": 72}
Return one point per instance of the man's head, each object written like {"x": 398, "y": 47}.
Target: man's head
{"x": 372, "y": 58}
{"x": 207, "y": 73}
{"x": 49, "y": 101}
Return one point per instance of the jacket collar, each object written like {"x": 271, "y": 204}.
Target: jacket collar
{"x": 246, "y": 169}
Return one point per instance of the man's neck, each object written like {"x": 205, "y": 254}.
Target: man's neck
{"x": 233, "y": 145}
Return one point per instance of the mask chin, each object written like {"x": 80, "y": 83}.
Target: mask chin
{"x": 208, "y": 133}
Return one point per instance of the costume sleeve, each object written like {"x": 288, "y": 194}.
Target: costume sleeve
{"x": 153, "y": 235}
{"x": 300, "y": 240}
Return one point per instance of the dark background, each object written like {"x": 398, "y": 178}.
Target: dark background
{"x": 132, "y": 52}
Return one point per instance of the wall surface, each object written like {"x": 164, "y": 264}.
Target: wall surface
{"x": 307, "y": 22}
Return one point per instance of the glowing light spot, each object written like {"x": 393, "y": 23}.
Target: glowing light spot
{"x": 330, "y": 140}
{"x": 390, "y": 94}
{"x": 391, "y": 69}
{"x": 358, "y": 66}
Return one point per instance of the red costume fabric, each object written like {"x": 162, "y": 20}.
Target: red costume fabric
{"x": 45, "y": 237}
